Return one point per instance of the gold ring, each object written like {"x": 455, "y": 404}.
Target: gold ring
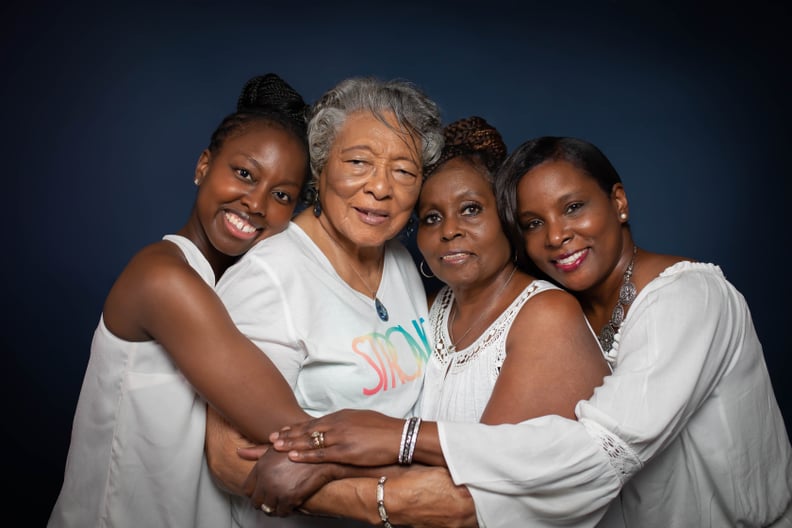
{"x": 266, "y": 509}
{"x": 317, "y": 440}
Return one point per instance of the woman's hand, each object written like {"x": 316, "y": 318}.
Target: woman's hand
{"x": 359, "y": 437}
{"x": 282, "y": 485}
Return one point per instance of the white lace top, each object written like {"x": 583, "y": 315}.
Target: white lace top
{"x": 458, "y": 384}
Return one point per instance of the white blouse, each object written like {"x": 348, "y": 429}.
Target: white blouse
{"x": 686, "y": 432}
{"x": 458, "y": 384}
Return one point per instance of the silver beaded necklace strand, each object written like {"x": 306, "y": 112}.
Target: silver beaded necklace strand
{"x": 626, "y": 297}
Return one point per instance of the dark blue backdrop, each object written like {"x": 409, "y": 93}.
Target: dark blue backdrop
{"x": 106, "y": 108}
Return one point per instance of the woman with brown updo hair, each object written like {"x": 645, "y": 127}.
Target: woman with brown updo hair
{"x": 506, "y": 347}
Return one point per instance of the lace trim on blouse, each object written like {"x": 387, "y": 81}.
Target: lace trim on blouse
{"x": 623, "y": 459}
{"x": 498, "y": 330}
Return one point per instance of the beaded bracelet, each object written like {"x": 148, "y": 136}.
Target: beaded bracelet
{"x": 381, "y": 502}
{"x": 408, "y": 440}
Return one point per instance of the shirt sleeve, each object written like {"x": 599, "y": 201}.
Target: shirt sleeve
{"x": 673, "y": 351}
{"x": 255, "y": 298}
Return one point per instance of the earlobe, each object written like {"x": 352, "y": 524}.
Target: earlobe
{"x": 201, "y": 168}
{"x": 619, "y": 198}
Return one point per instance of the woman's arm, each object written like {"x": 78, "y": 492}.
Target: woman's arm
{"x": 553, "y": 361}
{"x": 159, "y": 296}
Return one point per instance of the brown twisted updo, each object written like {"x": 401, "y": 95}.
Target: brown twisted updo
{"x": 473, "y": 138}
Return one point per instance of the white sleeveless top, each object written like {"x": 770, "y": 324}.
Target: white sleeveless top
{"x": 137, "y": 447}
{"x": 458, "y": 384}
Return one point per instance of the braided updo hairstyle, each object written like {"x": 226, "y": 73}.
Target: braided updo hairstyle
{"x": 475, "y": 139}
{"x": 265, "y": 98}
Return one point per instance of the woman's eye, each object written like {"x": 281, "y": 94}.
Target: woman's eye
{"x": 244, "y": 174}
{"x": 283, "y": 197}
{"x": 471, "y": 209}
{"x": 530, "y": 225}
{"x": 574, "y": 207}
{"x": 430, "y": 218}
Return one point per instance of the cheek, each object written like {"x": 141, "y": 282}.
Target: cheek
{"x": 533, "y": 246}
{"x": 278, "y": 216}
{"x": 407, "y": 196}
{"x": 423, "y": 239}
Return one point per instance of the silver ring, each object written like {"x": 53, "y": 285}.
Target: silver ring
{"x": 317, "y": 440}
{"x": 266, "y": 509}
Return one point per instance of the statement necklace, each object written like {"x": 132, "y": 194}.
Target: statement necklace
{"x": 626, "y": 297}
{"x": 478, "y": 319}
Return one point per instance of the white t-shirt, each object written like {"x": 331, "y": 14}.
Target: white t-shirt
{"x": 687, "y": 427}
{"x": 327, "y": 338}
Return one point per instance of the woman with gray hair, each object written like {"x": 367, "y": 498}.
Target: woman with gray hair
{"x": 335, "y": 300}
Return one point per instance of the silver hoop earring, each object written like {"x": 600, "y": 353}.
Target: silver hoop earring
{"x": 421, "y": 269}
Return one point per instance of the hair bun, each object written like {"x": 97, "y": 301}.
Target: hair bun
{"x": 469, "y": 136}
{"x": 270, "y": 93}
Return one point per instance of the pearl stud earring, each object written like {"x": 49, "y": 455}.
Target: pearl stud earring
{"x": 623, "y": 216}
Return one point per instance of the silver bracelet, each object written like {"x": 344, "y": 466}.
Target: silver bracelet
{"x": 403, "y": 444}
{"x": 409, "y": 438}
{"x": 381, "y": 502}
{"x": 413, "y": 441}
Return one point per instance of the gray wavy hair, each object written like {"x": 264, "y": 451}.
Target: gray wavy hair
{"x": 414, "y": 112}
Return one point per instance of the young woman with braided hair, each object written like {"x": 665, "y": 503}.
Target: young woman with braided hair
{"x": 165, "y": 344}
{"x": 506, "y": 347}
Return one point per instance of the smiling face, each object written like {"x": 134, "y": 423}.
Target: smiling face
{"x": 371, "y": 181}
{"x": 249, "y": 187}
{"x": 459, "y": 233}
{"x": 571, "y": 227}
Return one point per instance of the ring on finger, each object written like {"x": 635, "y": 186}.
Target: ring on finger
{"x": 317, "y": 440}
{"x": 266, "y": 509}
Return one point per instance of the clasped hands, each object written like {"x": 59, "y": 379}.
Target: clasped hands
{"x": 300, "y": 460}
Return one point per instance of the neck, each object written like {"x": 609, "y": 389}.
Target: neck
{"x": 475, "y": 299}
{"x": 217, "y": 260}
{"x": 359, "y": 267}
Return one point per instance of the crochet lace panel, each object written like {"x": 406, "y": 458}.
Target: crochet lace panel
{"x": 623, "y": 459}
{"x": 497, "y": 331}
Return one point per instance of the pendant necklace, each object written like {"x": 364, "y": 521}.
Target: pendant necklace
{"x": 478, "y": 319}
{"x": 382, "y": 312}
{"x": 626, "y": 297}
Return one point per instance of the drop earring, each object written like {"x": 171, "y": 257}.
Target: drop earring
{"x": 410, "y": 229}
{"x": 317, "y": 207}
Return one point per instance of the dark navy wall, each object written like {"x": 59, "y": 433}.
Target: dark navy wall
{"x": 105, "y": 110}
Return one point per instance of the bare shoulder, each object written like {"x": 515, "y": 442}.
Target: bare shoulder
{"x": 551, "y": 306}
{"x": 150, "y": 278}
